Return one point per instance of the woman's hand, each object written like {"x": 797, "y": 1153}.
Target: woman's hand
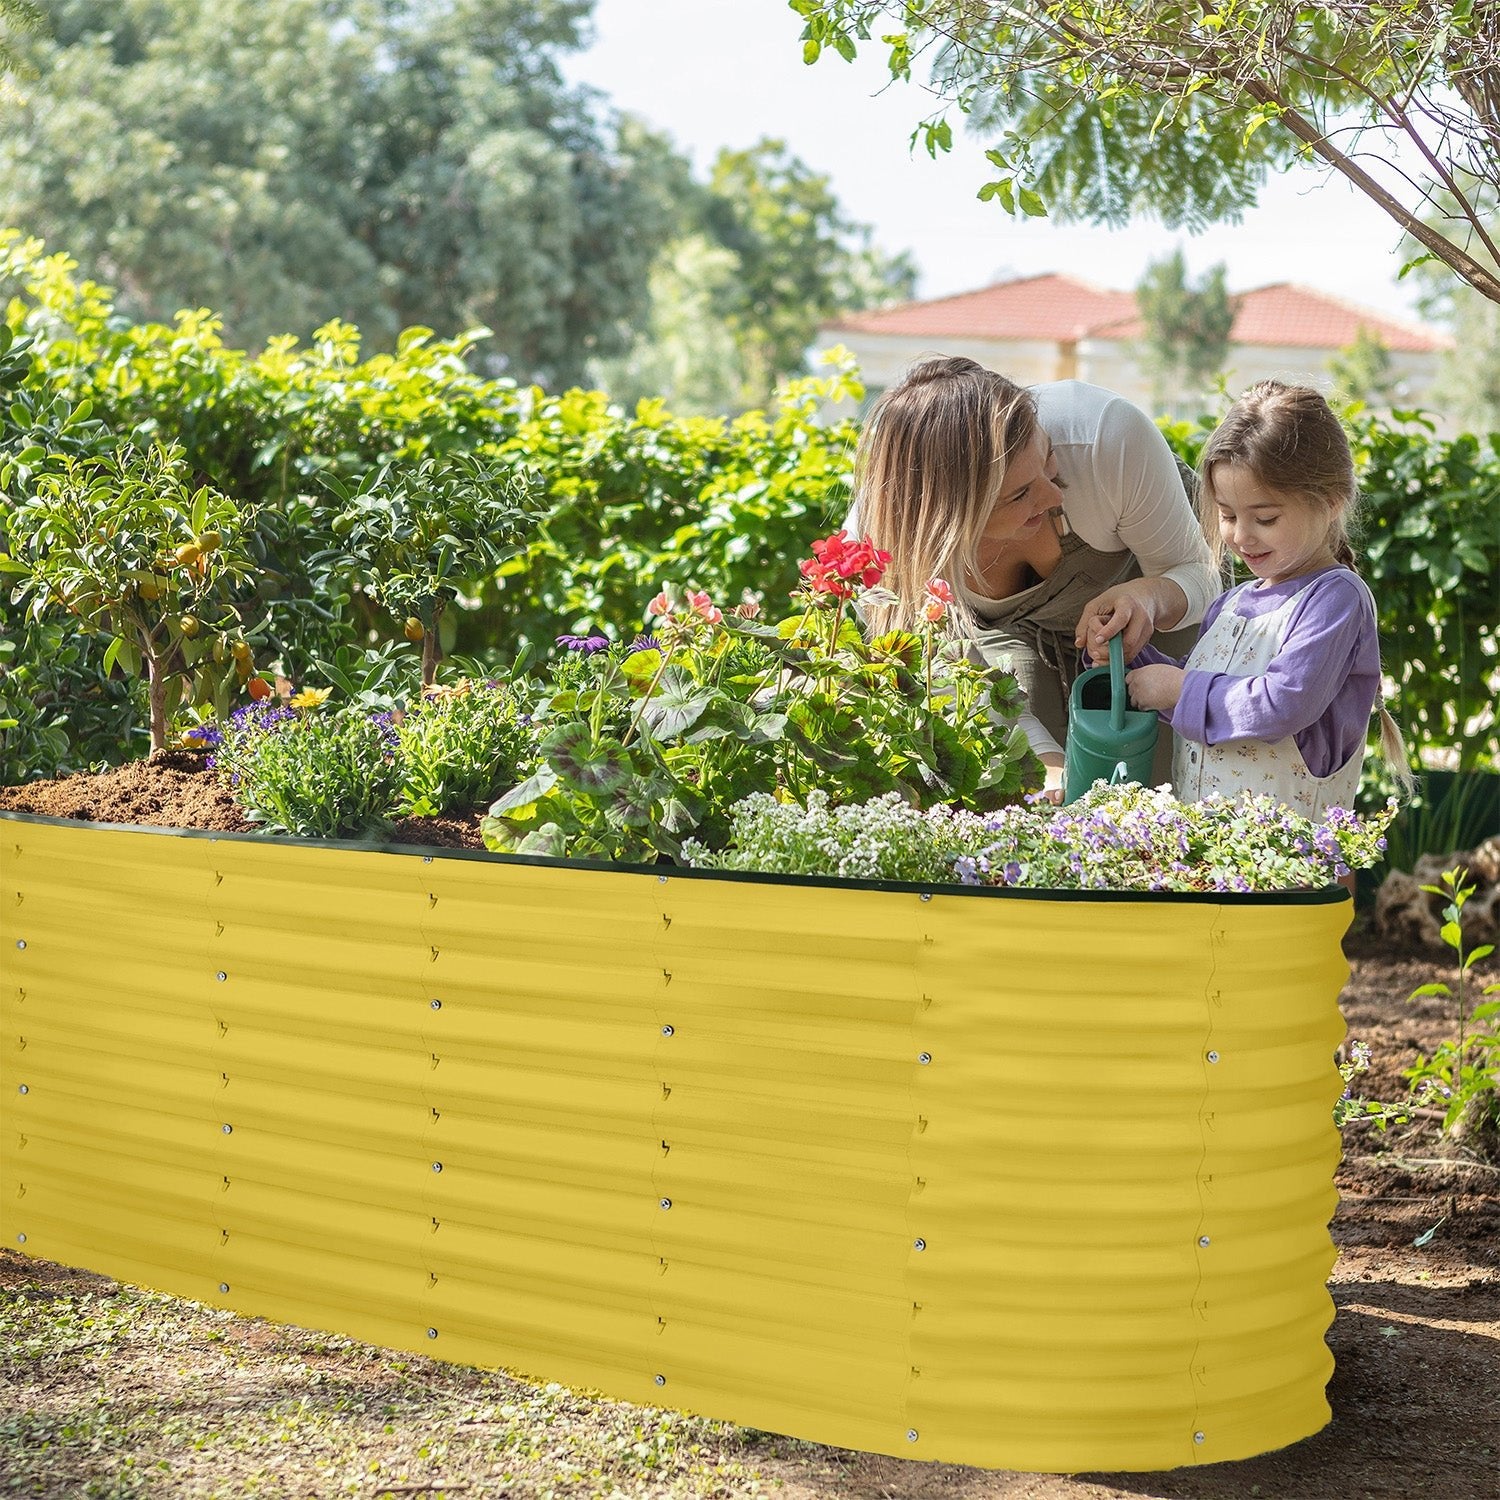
{"x": 1133, "y": 610}
{"x": 1155, "y": 687}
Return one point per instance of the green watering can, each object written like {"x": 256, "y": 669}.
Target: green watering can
{"x": 1107, "y": 739}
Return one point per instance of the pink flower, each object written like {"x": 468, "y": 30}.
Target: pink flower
{"x": 935, "y": 600}
{"x": 749, "y": 610}
{"x": 702, "y": 606}
{"x": 660, "y": 605}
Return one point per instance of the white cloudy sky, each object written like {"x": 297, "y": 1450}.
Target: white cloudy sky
{"x": 718, "y": 73}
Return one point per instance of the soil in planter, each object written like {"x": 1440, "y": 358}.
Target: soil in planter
{"x": 174, "y": 789}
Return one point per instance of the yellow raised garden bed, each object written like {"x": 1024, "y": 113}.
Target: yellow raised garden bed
{"x": 1028, "y": 1180}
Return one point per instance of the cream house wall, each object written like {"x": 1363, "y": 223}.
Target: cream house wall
{"x": 884, "y": 358}
{"x": 1111, "y": 363}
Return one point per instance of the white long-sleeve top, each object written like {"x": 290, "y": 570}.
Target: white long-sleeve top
{"x": 1124, "y": 490}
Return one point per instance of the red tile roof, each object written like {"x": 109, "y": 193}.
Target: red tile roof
{"x": 1052, "y": 308}
{"x": 1062, "y": 309}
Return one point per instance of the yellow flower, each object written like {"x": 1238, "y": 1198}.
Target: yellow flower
{"x": 310, "y": 698}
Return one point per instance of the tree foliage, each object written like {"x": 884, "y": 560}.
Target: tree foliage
{"x": 767, "y": 255}
{"x": 1105, "y": 108}
{"x": 387, "y": 162}
{"x": 1187, "y": 328}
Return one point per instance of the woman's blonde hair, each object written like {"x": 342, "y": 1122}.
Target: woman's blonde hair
{"x": 1287, "y": 438}
{"x": 931, "y": 465}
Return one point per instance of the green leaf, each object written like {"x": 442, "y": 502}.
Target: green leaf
{"x": 1032, "y": 205}
{"x": 1482, "y": 952}
{"x": 1452, "y": 934}
{"x": 584, "y": 765}
{"x": 1436, "y": 988}
{"x": 548, "y": 840}
{"x": 530, "y": 791}
{"x": 676, "y": 705}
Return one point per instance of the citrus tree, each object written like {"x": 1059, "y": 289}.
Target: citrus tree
{"x": 127, "y": 545}
{"x": 415, "y": 533}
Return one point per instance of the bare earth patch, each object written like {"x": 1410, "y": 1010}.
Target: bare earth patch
{"x": 108, "y": 1392}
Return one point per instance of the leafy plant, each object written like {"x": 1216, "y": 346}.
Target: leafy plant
{"x": 131, "y": 549}
{"x": 660, "y": 740}
{"x": 297, "y": 769}
{"x": 419, "y": 531}
{"x": 459, "y": 745}
{"x": 1462, "y": 1077}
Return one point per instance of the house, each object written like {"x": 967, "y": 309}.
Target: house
{"x": 1053, "y": 327}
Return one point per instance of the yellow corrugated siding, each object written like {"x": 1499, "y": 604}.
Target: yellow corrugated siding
{"x": 679, "y": 1139}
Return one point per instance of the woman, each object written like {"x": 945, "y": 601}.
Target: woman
{"x": 1057, "y": 514}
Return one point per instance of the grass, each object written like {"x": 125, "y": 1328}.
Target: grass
{"x": 112, "y": 1393}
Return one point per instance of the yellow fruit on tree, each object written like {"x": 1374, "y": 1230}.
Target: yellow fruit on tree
{"x": 240, "y": 651}
{"x": 189, "y": 625}
{"x": 187, "y": 554}
{"x": 209, "y": 541}
{"x": 414, "y": 629}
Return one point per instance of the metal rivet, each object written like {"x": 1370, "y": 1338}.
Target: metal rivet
{"x": 661, "y": 879}
{"x": 221, "y": 976}
{"x": 223, "y": 1286}
{"x": 661, "y": 1380}
{"x": 666, "y": 1203}
{"x": 432, "y": 1333}
{"x": 927, "y": 895}
{"x": 20, "y": 1239}
{"x": 919, "y": 1244}
{"x": 668, "y": 1030}
{"x": 437, "y": 1166}
{"x": 24, "y": 1089}
{"x": 924, "y": 1058}
{"x": 427, "y": 860}
{"x": 437, "y": 1004}
{"x": 911, "y": 1434}
{"x": 1204, "y": 1241}
{"x": 228, "y": 1130}
{"x": 20, "y": 942}
{"x": 1198, "y": 1437}
{"x": 1213, "y": 1057}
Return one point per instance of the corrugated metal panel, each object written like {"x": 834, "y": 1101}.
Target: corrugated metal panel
{"x": 1028, "y": 1183}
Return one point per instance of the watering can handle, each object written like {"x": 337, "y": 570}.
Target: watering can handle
{"x": 1117, "y": 697}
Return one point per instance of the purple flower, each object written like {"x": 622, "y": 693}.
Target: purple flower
{"x": 587, "y": 644}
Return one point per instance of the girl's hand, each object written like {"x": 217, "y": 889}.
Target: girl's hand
{"x": 1155, "y": 687}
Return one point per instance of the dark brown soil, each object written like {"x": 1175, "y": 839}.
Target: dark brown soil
{"x": 1417, "y": 1284}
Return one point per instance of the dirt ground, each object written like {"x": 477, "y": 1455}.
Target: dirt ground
{"x": 110, "y": 1392}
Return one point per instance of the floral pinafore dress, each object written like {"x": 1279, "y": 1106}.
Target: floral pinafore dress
{"x": 1241, "y": 647}
{"x": 1031, "y": 632}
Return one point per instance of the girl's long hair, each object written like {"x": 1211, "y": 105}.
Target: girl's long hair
{"x": 931, "y": 465}
{"x": 1291, "y": 443}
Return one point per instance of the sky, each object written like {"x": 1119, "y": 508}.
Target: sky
{"x": 715, "y": 73}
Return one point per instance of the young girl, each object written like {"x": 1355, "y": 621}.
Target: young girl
{"x": 1277, "y": 694}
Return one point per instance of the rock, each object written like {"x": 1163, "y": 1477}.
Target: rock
{"x": 1484, "y": 862}
{"x": 1405, "y": 913}
{"x": 1481, "y": 917}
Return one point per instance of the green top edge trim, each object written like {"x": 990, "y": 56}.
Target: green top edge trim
{"x": 1327, "y": 896}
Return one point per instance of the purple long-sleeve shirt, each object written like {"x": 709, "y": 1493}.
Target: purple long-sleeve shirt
{"x": 1320, "y": 688}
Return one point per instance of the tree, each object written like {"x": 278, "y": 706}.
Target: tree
{"x": 1361, "y": 371}
{"x": 799, "y": 260}
{"x": 389, "y": 162}
{"x": 1103, "y": 109}
{"x": 766, "y": 255}
{"x": 16, "y": 16}
{"x": 1187, "y": 329}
